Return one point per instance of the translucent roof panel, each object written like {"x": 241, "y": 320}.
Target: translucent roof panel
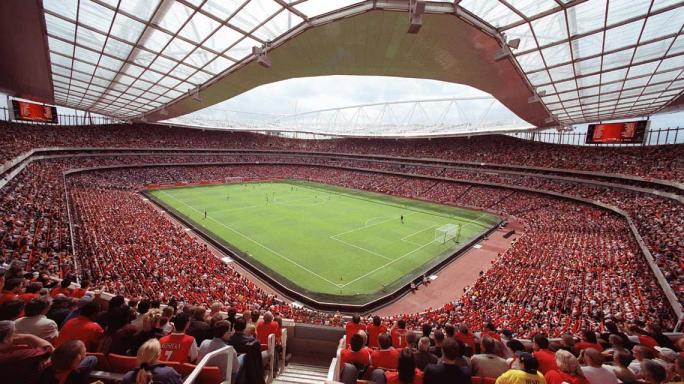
{"x": 592, "y": 59}
{"x": 604, "y": 56}
{"x": 126, "y": 58}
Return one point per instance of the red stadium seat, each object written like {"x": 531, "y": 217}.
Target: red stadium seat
{"x": 121, "y": 364}
{"x": 185, "y": 369}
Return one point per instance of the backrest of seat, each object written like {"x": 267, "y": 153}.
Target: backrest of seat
{"x": 185, "y": 369}
{"x": 210, "y": 375}
{"x": 121, "y": 364}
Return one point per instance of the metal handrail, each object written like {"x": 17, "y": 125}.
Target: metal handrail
{"x": 227, "y": 350}
{"x": 271, "y": 357}
{"x": 335, "y": 368}
{"x": 283, "y": 344}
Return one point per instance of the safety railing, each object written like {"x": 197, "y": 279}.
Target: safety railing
{"x": 335, "y": 364}
{"x": 231, "y": 356}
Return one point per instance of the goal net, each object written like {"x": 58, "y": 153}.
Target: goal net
{"x": 446, "y": 232}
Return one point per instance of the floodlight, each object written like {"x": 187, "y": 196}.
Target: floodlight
{"x": 416, "y": 11}
{"x": 261, "y": 57}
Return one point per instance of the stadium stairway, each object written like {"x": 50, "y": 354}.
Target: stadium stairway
{"x": 301, "y": 374}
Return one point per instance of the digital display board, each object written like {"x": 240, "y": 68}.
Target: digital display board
{"x": 632, "y": 132}
{"x": 28, "y": 111}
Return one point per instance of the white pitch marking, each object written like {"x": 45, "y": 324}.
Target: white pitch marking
{"x": 254, "y": 241}
{"x": 417, "y": 232}
{"x": 391, "y": 262}
{"x": 361, "y": 248}
{"x": 368, "y": 226}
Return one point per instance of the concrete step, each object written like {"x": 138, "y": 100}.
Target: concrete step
{"x": 306, "y": 367}
{"x": 302, "y": 374}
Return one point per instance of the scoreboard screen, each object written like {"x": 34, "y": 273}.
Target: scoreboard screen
{"x": 632, "y": 132}
{"x": 27, "y": 111}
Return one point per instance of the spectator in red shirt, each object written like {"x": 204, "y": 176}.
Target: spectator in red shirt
{"x": 267, "y": 327}
{"x": 32, "y": 291}
{"x": 568, "y": 371}
{"x": 354, "y": 360}
{"x": 81, "y": 291}
{"x": 11, "y": 290}
{"x": 63, "y": 288}
{"x": 490, "y": 330}
{"x": 589, "y": 341}
{"x": 399, "y": 333}
{"x": 12, "y": 310}
{"x": 386, "y": 357}
{"x": 545, "y": 357}
{"x": 83, "y": 327}
{"x": 406, "y": 372}
{"x": 21, "y": 355}
{"x": 374, "y": 330}
{"x": 178, "y": 346}
{"x": 466, "y": 337}
{"x": 356, "y": 354}
{"x": 353, "y": 327}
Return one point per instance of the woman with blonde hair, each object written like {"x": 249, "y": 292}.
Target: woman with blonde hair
{"x": 151, "y": 329}
{"x": 150, "y": 370}
{"x": 568, "y": 370}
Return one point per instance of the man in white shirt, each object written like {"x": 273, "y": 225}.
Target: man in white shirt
{"x": 593, "y": 371}
{"x": 222, "y": 331}
{"x": 487, "y": 363}
{"x": 35, "y": 322}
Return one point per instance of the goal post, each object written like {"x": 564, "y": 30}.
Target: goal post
{"x": 447, "y": 232}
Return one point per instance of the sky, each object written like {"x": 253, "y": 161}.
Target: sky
{"x": 315, "y": 93}
{"x": 297, "y": 96}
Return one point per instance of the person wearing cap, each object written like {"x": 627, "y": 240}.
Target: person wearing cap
{"x": 528, "y": 374}
{"x": 446, "y": 371}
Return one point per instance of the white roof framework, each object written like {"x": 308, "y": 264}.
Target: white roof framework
{"x": 589, "y": 60}
{"x": 596, "y": 59}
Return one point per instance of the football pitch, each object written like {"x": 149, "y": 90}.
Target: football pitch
{"x": 329, "y": 243}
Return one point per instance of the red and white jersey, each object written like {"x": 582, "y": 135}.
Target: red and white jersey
{"x": 178, "y": 347}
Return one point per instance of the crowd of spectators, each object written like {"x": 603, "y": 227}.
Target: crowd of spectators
{"x": 451, "y": 353}
{"x": 576, "y": 266}
{"x": 659, "y": 162}
{"x": 60, "y": 334}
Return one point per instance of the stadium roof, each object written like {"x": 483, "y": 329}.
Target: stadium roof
{"x": 585, "y": 60}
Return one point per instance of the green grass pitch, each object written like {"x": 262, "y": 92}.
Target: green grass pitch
{"x": 325, "y": 241}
